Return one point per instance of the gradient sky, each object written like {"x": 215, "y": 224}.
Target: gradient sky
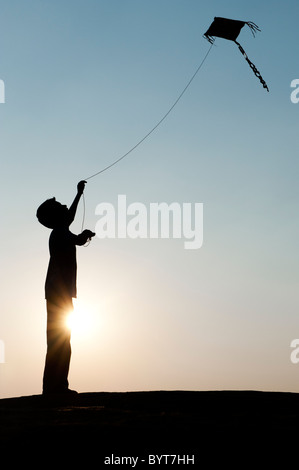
{"x": 84, "y": 81}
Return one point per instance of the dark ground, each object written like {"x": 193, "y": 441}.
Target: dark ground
{"x": 238, "y": 429}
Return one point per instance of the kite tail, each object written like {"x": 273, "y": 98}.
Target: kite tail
{"x": 252, "y": 66}
{"x": 253, "y": 27}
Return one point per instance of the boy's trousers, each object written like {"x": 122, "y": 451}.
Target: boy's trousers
{"x": 55, "y": 379}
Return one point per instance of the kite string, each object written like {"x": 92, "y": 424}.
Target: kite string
{"x": 149, "y": 133}
{"x": 83, "y": 218}
{"x": 158, "y": 124}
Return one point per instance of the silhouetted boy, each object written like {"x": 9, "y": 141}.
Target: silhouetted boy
{"x": 60, "y": 288}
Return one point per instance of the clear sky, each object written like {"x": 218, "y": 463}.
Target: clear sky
{"x": 84, "y": 81}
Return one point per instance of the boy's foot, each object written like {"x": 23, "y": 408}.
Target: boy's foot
{"x": 64, "y": 392}
{"x": 70, "y": 392}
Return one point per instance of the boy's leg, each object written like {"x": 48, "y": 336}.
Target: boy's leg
{"x": 58, "y": 347}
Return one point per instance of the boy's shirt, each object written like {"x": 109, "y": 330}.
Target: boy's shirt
{"x": 62, "y": 270}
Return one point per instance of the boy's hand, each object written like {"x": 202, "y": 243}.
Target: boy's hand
{"x": 81, "y": 186}
{"x": 88, "y": 234}
{"x": 84, "y": 237}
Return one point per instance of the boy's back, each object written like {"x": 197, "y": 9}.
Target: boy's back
{"x": 62, "y": 269}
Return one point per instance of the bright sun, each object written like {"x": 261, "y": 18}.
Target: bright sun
{"x": 80, "y": 321}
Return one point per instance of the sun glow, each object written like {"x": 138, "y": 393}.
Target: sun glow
{"x": 81, "y": 321}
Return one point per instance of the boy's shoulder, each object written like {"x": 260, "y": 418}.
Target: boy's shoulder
{"x": 61, "y": 234}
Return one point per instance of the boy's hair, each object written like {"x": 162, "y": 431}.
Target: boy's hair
{"x": 46, "y": 213}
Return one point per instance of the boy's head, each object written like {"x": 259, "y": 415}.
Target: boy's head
{"x": 52, "y": 213}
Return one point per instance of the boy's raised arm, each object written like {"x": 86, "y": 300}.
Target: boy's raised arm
{"x": 73, "y": 208}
